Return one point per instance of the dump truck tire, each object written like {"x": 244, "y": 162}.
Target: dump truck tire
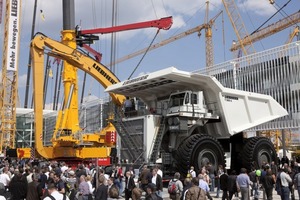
{"x": 258, "y": 150}
{"x": 197, "y": 150}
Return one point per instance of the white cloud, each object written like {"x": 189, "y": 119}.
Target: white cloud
{"x": 22, "y": 80}
{"x": 262, "y": 8}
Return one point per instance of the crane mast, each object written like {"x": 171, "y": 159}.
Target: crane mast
{"x": 10, "y": 74}
{"x": 208, "y": 40}
{"x": 238, "y": 25}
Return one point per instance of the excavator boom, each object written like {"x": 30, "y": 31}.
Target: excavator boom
{"x": 87, "y": 37}
{"x": 75, "y": 145}
{"x": 163, "y": 23}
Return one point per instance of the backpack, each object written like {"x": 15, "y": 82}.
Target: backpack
{"x": 278, "y": 184}
{"x": 189, "y": 174}
{"x": 172, "y": 188}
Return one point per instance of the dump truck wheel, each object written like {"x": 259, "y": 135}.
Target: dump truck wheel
{"x": 258, "y": 150}
{"x": 197, "y": 151}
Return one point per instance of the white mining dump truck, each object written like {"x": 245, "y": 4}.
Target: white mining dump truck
{"x": 189, "y": 119}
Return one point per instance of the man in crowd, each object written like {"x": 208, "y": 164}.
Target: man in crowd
{"x": 145, "y": 177}
{"x": 54, "y": 194}
{"x": 243, "y": 184}
{"x": 83, "y": 188}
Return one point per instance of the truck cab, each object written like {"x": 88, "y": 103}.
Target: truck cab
{"x": 189, "y": 104}
{"x": 186, "y": 103}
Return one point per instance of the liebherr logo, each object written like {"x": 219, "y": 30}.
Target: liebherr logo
{"x": 14, "y": 8}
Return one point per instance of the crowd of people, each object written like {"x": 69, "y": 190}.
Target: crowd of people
{"x": 284, "y": 178}
{"x": 20, "y": 180}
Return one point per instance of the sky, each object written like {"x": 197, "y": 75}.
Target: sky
{"x": 186, "y": 54}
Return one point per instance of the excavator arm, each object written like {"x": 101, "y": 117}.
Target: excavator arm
{"x": 68, "y": 144}
{"x": 79, "y": 60}
{"x": 87, "y": 37}
{"x": 163, "y": 23}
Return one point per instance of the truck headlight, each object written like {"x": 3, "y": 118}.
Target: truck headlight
{"x": 173, "y": 121}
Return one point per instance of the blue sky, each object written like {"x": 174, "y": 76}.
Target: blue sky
{"x": 186, "y": 54}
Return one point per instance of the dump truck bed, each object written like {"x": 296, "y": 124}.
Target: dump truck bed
{"x": 238, "y": 110}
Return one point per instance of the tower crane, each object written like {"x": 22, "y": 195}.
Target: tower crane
{"x": 198, "y": 29}
{"x": 295, "y": 33}
{"x": 267, "y": 31}
{"x": 238, "y": 26}
{"x": 10, "y": 61}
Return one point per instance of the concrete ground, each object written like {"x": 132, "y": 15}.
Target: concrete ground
{"x": 213, "y": 194}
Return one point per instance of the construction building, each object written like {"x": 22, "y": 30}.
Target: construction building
{"x": 93, "y": 115}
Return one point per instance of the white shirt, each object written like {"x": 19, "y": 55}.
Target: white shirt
{"x": 4, "y": 178}
{"x": 160, "y": 172}
{"x": 64, "y": 168}
{"x": 2, "y": 197}
{"x": 91, "y": 189}
{"x": 154, "y": 179}
{"x": 106, "y": 176}
{"x": 57, "y": 196}
{"x": 285, "y": 179}
{"x": 193, "y": 173}
{"x": 87, "y": 170}
{"x": 47, "y": 174}
{"x": 29, "y": 178}
{"x": 203, "y": 185}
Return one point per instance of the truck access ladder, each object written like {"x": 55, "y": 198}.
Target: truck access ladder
{"x": 128, "y": 143}
{"x": 157, "y": 141}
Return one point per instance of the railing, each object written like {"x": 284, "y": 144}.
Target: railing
{"x": 274, "y": 72}
{"x": 130, "y": 144}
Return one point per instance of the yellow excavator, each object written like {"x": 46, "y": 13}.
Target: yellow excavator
{"x": 69, "y": 140}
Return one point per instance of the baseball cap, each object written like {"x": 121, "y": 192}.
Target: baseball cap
{"x": 72, "y": 173}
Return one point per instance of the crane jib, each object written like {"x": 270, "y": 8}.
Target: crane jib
{"x": 103, "y": 73}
